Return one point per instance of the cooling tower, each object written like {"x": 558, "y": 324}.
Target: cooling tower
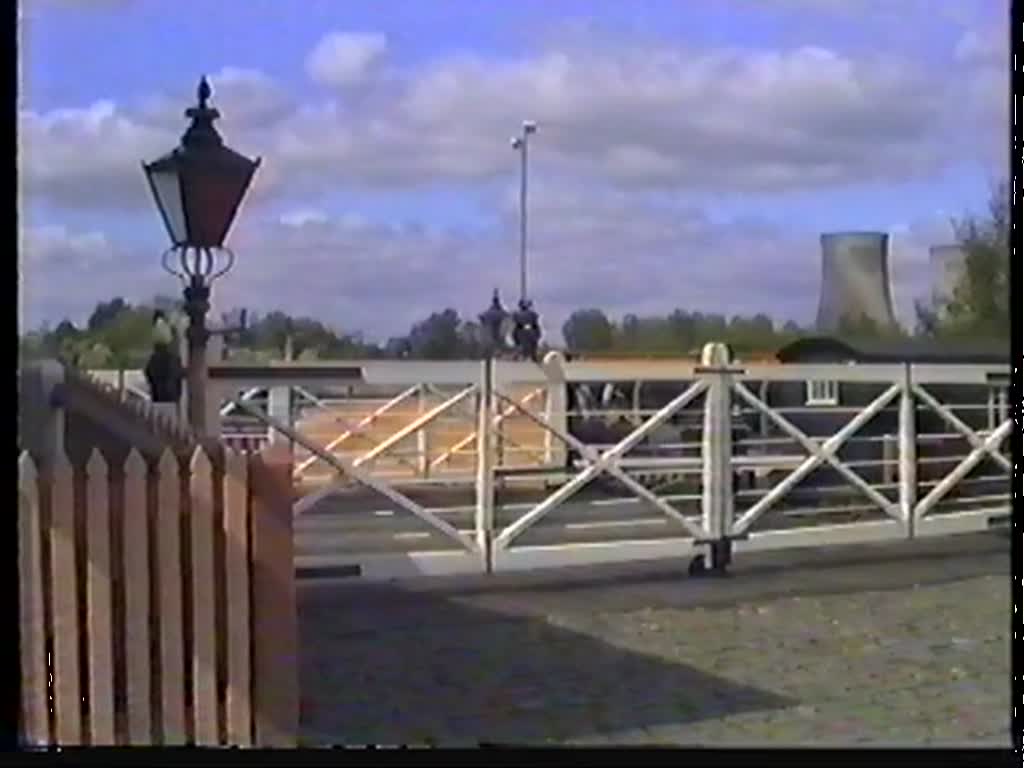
{"x": 947, "y": 262}
{"x": 855, "y": 280}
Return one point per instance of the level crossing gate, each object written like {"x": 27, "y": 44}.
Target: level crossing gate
{"x": 773, "y": 456}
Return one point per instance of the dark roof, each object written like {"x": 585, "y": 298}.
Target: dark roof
{"x": 901, "y": 350}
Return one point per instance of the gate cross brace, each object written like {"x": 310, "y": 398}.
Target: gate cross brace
{"x": 495, "y": 422}
{"x": 965, "y": 466}
{"x": 820, "y": 453}
{"x": 603, "y": 462}
{"x": 385, "y": 445}
{"x": 359, "y": 428}
{"x": 951, "y": 418}
{"x": 343, "y": 466}
{"x": 351, "y": 430}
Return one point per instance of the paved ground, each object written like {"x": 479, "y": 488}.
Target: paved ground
{"x": 901, "y": 643}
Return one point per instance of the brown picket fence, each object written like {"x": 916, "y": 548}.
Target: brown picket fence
{"x": 158, "y": 601}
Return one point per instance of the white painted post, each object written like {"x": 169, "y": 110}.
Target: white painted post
{"x": 555, "y": 407}
{"x": 485, "y": 466}
{"x": 638, "y": 419}
{"x": 716, "y": 447}
{"x": 908, "y": 452}
{"x": 762, "y": 419}
{"x": 279, "y": 408}
{"x": 422, "y": 444}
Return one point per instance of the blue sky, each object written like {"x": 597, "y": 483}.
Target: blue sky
{"x": 690, "y": 153}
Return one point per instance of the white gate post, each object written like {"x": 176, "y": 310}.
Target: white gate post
{"x": 279, "y": 408}
{"x": 422, "y": 446}
{"x": 716, "y": 454}
{"x": 908, "y": 452}
{"x": 485, "y": 449}
{"x": 555, "y": 405}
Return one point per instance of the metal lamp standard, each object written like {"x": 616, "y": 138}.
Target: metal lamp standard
{"x": 198, "y": 187}
{"x": 527, "y": 322}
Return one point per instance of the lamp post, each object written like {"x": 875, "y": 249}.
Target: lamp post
{"x": 521, "y": 144}
{"x": 198, "y": 187}
{"x": 527, "y": 322}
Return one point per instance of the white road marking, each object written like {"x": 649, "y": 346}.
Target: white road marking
{"x": 616, "y": 523}
{"x": 416, "y": 535}
{"x": 384, "y": 512}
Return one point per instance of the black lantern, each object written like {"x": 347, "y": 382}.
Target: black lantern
{"x": 199, "y": 185}
{"x": 493, "y": 322}
{"x": 526, "y": 334}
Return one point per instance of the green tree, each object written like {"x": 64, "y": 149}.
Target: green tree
{"x": 105, "y": 313}
{"x": 980, "y": 303}
{"x": 588, "y": 330}
{"x": 437, "y": 337}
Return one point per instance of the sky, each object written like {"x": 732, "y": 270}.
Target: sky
{"x": 689, "y": 152}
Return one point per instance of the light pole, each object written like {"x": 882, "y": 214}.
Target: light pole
{"x": 527, "y": 323}
{"x": 198, "y": 187}
{"x": 521, "y": 144}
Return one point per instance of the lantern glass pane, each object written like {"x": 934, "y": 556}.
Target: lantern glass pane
{"x": 167, "y": 188}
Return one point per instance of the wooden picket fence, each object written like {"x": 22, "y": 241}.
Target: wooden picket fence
{"x": 158, "y": 601}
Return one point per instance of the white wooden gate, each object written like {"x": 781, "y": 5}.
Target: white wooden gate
{"x": 875, "y": 419}
{"x": 830, "y": 454}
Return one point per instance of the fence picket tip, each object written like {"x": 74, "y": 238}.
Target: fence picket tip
{"x": 134, "y": 461}
{"x": 167, "y": 461}
{"x": 201, "y": 460}
{"x": 27, "y": 466}
{"x": 97, "y": 463}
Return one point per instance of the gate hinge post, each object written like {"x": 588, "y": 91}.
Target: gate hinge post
{"x": 717, "y": 492}
{"x": 485, "y": 448}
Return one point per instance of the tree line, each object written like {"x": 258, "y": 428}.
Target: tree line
{"x": 118, "y": 334}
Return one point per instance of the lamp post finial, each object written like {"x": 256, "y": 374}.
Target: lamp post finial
{"x": 203, "y": 92}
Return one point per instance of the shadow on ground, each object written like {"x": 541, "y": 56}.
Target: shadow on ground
{"x": 384, "y": 665}
{"x": 466, "y": 659}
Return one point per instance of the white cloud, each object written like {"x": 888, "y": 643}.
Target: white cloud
{"x": 986, "y": 46}
{"x": 735, "y": 120}
{"x": 65, "y": 273}
{"x": 639, "y": 116}
{"x": 250, "y": 102}
{"x": 302, "y": 217}
{"x": 624, "y": 130}
{"x": 343, "y": 59}
{"x": 88, "y": 156}
{"x": 624, "y": 252}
